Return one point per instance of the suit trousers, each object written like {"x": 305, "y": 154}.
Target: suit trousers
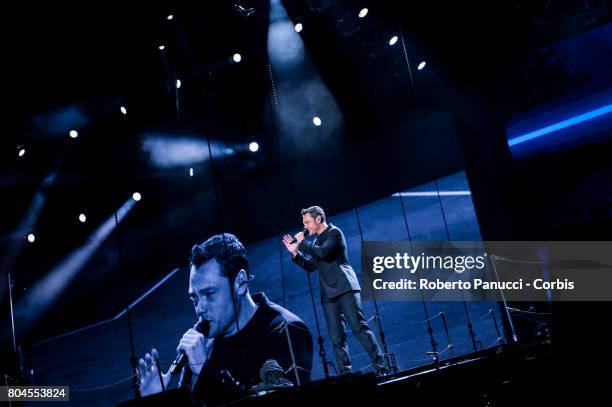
{"x": 344, "y": 309}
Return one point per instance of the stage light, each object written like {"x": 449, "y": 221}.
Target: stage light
{"x": 421, "y": 65}
{"x": 254, "y": 146}
{"x": 299, "y": 27}
{"x": 161, "y": 47}
{"x": 237, "y": 58}
{"x": 170, "y": 17}
{"x": 123, "y": 110}
{"x": 170, "y": 150}
{"x": 432, "y": 193}
{"x": 563, "y": 124}
{"x": 82, "y": 218}
{"x": 41, "y": 295}
{"x": 191, "y": 172}
{"x": 316, "y": 121}
{"x": 136, "y": 196}
{"x": 21, "y": 152}
{"x": 393, "y": 40}
{"x": 74, "y": 134}
{"x": 60, "y": 120}
{"x": 31, "y": 238}
{"x": 363, "y": 12}
{"x": 178, "y": 83}
{"x": 243, "y": 10}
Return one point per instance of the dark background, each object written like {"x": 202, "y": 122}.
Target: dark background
{"x": 401, "y": 128}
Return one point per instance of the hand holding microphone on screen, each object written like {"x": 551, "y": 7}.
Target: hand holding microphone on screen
{"x": 191, "y": 348}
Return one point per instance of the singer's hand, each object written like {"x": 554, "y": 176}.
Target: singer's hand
{"x": 149, "y": 376}
{"x": 299, "y": 237}
{"x": 193, "y": 344}
{"x": 291, "y": 247}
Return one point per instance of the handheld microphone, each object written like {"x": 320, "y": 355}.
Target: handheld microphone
{"x": 306, "y": 233}
{"x": 202, "y": 327}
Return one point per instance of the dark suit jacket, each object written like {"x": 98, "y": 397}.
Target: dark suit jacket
{"x": 328, "y": 255}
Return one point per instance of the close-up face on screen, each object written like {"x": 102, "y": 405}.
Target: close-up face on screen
{"x": 311, "y": 202}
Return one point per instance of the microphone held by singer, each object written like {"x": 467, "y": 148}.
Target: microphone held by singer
{"x": 305, "y": 232}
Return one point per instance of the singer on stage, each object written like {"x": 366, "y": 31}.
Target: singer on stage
{"x": 340, "y": 290}
{"x": 237, "y": 332}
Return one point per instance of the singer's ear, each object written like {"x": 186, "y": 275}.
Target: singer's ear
{"x": 240, "y": 284}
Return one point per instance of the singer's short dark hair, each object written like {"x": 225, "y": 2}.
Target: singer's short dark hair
{"x": 227, "y": 250}
{"x": 314, "y": 211}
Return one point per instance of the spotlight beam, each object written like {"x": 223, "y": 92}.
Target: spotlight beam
{"x": 16, "y": 239}
{"x": 563, "y": 124}
{"x": 46, "y": 291}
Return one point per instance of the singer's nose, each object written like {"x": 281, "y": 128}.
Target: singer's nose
{"x": 201, "y": 309}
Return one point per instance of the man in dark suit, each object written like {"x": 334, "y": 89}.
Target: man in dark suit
{"x": 340, "y": 290}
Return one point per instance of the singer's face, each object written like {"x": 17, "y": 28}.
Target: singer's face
{"x": 210, "y": 293}
{"x": 310, "y": 224}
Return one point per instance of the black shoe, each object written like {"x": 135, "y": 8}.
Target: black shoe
{"x": 382, "y": 372}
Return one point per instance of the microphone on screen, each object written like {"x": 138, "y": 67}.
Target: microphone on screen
{"x": 202, "y": 327}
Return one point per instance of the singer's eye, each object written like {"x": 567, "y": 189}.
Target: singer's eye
{"x": 208, "y": 293}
